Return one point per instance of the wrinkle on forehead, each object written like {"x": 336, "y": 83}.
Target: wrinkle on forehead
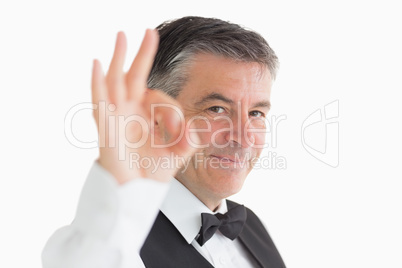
{"x": 235, "y": 80}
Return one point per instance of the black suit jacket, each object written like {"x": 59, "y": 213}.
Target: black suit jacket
{"x": 165, "y": 247}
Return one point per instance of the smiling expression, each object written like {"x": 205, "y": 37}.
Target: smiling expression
{"x": 225, "y": 102}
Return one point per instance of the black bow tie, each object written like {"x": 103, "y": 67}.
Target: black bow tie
{"x": 229, "y": 224}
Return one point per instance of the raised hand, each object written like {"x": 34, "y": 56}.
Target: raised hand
{"x": 128, "y": 129}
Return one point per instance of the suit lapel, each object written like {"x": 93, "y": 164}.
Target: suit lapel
{"x": 257, "y": 241}
{"x": 166, "y": 247}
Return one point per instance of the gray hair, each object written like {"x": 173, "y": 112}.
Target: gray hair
{"x": 182, "y": 39}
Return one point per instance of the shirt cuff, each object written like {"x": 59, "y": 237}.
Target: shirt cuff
{"x": 121, "y": 215}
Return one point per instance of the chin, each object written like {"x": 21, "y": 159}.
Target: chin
{"x": 226, "y": 185}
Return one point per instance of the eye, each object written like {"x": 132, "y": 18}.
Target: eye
{"x": 216, "y": 109}
{"x": 256, "y": 114}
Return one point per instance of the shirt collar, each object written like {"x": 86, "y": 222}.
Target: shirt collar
{"x": 184, "y": 209}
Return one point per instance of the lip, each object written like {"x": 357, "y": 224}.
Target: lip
{"x": 228, "y": 157}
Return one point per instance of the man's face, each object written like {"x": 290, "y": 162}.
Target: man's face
{"x": 225, "y": 102}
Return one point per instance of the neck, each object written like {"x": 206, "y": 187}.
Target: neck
{"x": 212, "y": 202}
{"x": 212, "y": 205}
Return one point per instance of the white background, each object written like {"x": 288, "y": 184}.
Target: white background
{"x": 319, "y": 216}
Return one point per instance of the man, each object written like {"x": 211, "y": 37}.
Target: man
{"x": 219, "y": 75}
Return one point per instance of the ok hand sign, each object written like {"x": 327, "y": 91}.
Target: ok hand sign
{"x": 124, "y": 121}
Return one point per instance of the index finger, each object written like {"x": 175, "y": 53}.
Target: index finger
{"x": 139, "y": 71}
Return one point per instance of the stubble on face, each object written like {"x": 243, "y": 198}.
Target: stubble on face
{"x": 221, "y": 94}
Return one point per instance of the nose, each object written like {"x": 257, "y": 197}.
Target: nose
{"x": 239, "y": 136}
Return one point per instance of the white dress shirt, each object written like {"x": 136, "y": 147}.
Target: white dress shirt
{"x": 113, "y": 221}
{"x": 184, "y": 210}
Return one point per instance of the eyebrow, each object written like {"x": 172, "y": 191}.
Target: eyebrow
{"x": 263, "y": 104}
{"x": 214, "y": 96}
{"x": 218, "y": 96}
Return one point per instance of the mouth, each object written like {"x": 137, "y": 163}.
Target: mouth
{"x": 228, "y": 158}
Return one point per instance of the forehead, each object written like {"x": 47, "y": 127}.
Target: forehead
{"x": 239, "y": 81}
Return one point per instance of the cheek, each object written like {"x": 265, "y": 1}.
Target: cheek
{"x": 259, "y": 139}
{"x": 220, "y": 129}
{"x": 258, "y": 129}
{"x": 203, "y": 128}
{"x": 209, "y": 130}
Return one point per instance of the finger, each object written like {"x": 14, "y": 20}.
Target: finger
{"x": 138, "y": 74}
{"x": 98, "y": 86}
{"x": 168, "y": 116}
{"x": 164, "y": 111}
{"x": 115, "y": 76}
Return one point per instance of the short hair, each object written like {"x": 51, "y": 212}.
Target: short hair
{"x": 182, "y": 39}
